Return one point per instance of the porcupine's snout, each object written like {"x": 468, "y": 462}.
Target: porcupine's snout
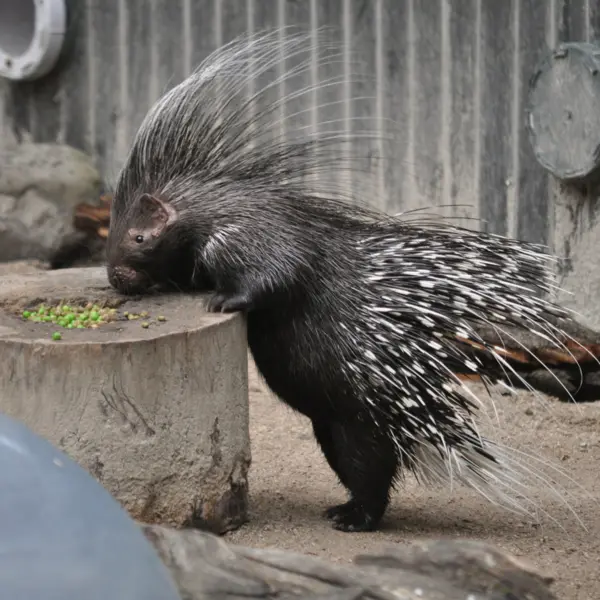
{"x": 128, "y": 280}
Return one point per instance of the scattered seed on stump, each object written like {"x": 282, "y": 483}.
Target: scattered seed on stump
{"x": 87, "y": 316}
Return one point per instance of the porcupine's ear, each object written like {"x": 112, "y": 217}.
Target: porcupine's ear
{"x": 156, "y": 214}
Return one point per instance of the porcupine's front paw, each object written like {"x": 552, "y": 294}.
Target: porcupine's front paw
{"x": 227, "y": 303}
{"x": 351, "y": 517}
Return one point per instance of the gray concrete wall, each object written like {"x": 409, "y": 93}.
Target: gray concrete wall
{"x": 454, "y": 75}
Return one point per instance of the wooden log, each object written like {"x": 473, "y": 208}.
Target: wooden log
{"x": 205, "y": 566}
{"x": 91, "y": 218}
{"x": 159, "y": 415}
{"x": 563, "y": 112}
{"x": 571, "y": 372}
{"x": 85, "y": 244}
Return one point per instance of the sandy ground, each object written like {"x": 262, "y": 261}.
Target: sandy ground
{"x": 291, "y": 484}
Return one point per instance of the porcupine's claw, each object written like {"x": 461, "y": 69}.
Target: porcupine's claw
{"x": 226, "y": 303}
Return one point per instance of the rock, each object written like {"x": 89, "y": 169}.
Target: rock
{"x": 158, "y": 415}
{"x": 63, "y": 536}
{"x": 40, "y": 185}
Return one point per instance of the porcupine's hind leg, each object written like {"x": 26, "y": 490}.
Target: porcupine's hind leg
{"x": 323, "y": 433}
{"x": 366, "y": 464}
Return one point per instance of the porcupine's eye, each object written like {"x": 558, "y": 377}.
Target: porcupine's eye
{"x": 139, "y": 239}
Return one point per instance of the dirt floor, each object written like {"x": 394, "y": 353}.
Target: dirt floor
{"x": 291, "y": 484}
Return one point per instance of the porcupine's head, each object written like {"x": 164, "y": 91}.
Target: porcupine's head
{"x": 147, "y": 246}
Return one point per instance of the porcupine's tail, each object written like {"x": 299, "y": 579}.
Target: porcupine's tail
{"x": 427, "y": 289}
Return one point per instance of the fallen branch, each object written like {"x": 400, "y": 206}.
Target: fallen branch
{"x": 205, "y": 566}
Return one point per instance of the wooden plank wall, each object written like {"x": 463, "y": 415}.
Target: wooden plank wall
{"x": 452, "y": 74}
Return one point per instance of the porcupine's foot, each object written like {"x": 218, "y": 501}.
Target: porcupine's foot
{"x": 366, "y": 464}
{"x": 227, "y": 303}
{"x": 350, "y": 516}
{"x": 339, "y": 511}
{"x": 353, "y": 517}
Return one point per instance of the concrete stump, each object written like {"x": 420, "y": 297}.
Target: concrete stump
{"x": 159, "y": 415}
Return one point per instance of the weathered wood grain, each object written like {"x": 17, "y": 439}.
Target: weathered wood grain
{"x": 205, "y": 566}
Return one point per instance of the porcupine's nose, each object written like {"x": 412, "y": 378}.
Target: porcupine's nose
{"x": 127, "y": 280}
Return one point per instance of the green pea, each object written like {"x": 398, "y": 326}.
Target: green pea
{"x": 26, "y": 314}
{"x": 56, "y": 336}
{"x": 94, "y": 315}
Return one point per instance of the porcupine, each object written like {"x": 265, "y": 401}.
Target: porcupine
{"x": 354, "y": 318}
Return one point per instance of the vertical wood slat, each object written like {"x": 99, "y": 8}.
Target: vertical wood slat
{"x": 139, "y": 73}
{"x": 575, "y": 26}
{"x": 428, "y": 110}
{"x": 532, "y": 183}
{"x": 104, "y": 17}
{"x": 18, "y": 108}
{"x": 75, "y": 80}
{"x": 330, "y": 100}
{"x": 463, "y": 94}
{"x": 45, "y": 105}
{"x": 495, "y": 114}
{"x": 364, "y": 20}
{"x": 5, "y": 124}
{"x": 594, "y": 20}
{"x": 55, "y": 103}
{"x": 399, "y": 168}
{"x": 202, "y": 16}
{"x": 267, "y": 17}
{"x": 297, "y": 114}
{"x": 234, "y": 19}
{"x": 168, "y": 28}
